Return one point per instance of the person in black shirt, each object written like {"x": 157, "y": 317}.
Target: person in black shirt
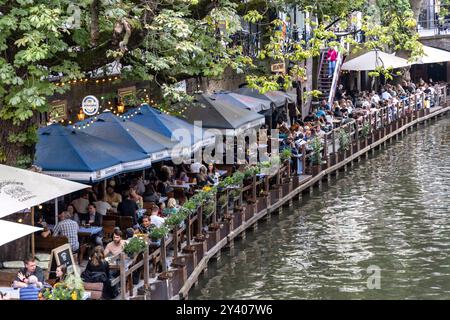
{"x": 128, "y": 207}
{"x": 97, "y": 270}
{"x": 31, "y": 269}
{"x": 146, "y": 225}
{"x": 310, "y": 117}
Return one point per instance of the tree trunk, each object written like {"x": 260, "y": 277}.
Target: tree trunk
{"x": 12, "y": 153}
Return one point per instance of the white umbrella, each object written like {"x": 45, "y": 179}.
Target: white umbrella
{"x": 433, "y": 55}
{"x": 21, "y": 189}
{"x": 10, "y": 231}
{"x": 374, "y": 59}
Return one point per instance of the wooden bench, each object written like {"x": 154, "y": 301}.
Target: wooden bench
{"x": 95, "y": 288}
{"x": 7, "y": 278}
{"x": 49, "y": 243}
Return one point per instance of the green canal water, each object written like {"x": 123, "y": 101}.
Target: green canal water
{"x": 390, "y": 213}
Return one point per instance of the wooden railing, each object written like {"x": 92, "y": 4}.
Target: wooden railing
{"x": 194, "y": 243}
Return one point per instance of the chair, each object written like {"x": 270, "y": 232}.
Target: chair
{"x": 108, "y": 230}
{"x": 149, "y": 206}
{"x": 125, "y": 223}
{"x": 95, "y": 288}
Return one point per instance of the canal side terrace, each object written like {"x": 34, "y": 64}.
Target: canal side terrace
{"x": 256, "y": 192}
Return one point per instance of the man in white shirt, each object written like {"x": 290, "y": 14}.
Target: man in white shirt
{"x": 385, "y": 95}
{"x": 81, "y": 205}
{"x": 375, "y": 98}
{"x": 102, "y": 206}
{"x": 155, "y": 219}
{"x": 195, "y": 167}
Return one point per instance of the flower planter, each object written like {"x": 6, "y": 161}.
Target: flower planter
{"x": 362, "y": 143}
{"x": 315, "y": 169}
{"x": 249, "y": 211}
{"x": 332, "y": 159}
{"x": 262, "y": 204}
{"x": 161, "y": 289}
{"x": 225, "y": 229}
{"x": 274, "y": 196}
{"x": 237, "y": 219}
{"x": 286, "y": 189}
{"x": 166, "y": 275}
{"x": 348, "y": 153}
{"x": 199, "y": 249}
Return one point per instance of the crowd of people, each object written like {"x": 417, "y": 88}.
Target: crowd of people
{"x": 351, "y": 106}
{"x": 147, "y": 200}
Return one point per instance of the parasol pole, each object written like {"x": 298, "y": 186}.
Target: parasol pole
{"x": 32, "y": 235}
{"x": 56, "y": 211}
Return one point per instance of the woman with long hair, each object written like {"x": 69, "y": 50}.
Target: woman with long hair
{"x": 61, "y": 273}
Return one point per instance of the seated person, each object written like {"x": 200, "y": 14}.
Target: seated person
{"x": 171, "y": 207}
{"x": 155, "y": 219}
{"x": 146, "y": 225}
{"x": 97, "y": 270}
{"x": 31, "y": 269}
{"x": 61, "y": 273}
{"x": 31, "y": 290}
{"x": 150, "y": 194}
{"x": 116, "y": 246}
{"x": 202, "y": 177}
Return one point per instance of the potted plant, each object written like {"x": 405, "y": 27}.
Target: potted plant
{"x": 286, "y": 155}
{"x": 208, "y": 209}
{"x": 316, "y": 156}
{"x": 159, "y": 233}
{"x": 71, "y": 288}
{"x": 250, "y": 172}
{"x": 365, "y": 133}
{"x": 344, "y": 143}
{"x": 134, "y": 246}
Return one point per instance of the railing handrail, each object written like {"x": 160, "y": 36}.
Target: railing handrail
{"x": 381, "y": 116}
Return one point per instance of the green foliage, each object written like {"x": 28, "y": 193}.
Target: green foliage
{"x": 344, "y": 140}
{"x": 238, "y": 177}
{"x": 286, "y": 154}
{"x": 175, "y": 219}
{"x": 70, "y": 289}
{"x": 159, "y": 233}
{"x": 316, "y": 146}
{"x": 135, "y": 245}
{"x": 365, "y": 129}
{"x": 251, "y": 171}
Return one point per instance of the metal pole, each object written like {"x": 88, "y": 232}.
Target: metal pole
{"x": 32, "y": 235}
{"x": 56, "y": 211}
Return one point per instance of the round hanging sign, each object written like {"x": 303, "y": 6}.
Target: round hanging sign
{"x": 90, "y": 105}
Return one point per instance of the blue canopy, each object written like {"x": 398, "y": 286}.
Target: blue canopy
{"x": 166, "y": 125}
{"x": 128, "y": 133}
{"x": 75, "y": 155}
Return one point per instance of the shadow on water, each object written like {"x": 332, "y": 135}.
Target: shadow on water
{"x": 389, "y": 212}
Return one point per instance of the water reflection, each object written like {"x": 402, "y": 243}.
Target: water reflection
{"x": 391, "y": 211}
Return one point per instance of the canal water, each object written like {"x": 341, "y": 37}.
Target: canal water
{"x": 379, "y": 231}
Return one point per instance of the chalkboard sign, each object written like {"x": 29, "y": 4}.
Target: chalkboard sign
{"x": 58, "y": 110}
{"x": 59, "y": 256}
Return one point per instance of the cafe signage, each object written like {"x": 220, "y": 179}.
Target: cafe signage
{"x": 58, "y": 110}
{"x": 90, "y": 105}
{"x": 278, "y": 67}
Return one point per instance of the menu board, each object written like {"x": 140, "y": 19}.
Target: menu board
{"x": 58, "y": 110}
